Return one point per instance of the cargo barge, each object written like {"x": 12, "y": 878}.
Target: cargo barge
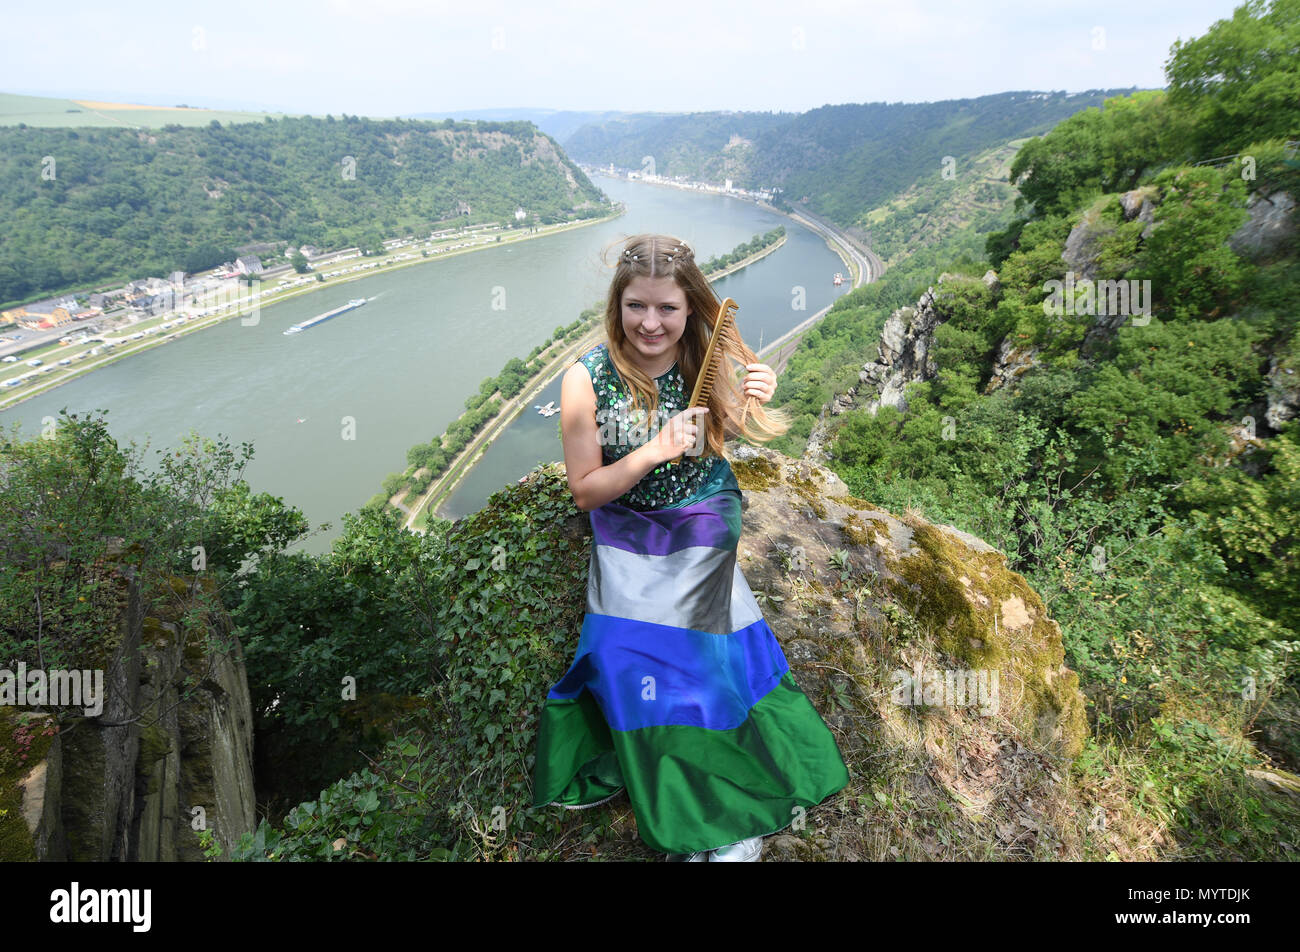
{"x": 322, "y": 318}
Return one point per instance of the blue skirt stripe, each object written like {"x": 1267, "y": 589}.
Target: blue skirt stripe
{"x": 650, "y": 675}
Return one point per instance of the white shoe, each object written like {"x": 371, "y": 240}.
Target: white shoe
{"x": 746, "y": 851}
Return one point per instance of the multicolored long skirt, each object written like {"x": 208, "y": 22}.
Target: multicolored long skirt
{"x": 679, "y": 690}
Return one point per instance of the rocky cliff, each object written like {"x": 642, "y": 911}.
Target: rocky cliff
{"x": 902, "y": 358}
{"x": 903, "y": 352}
{"x": 170, "y": 753}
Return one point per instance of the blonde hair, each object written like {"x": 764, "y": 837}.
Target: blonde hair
{"x": 655, "y": 256}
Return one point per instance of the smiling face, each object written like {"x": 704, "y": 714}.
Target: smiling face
{"x": 654, "y": 317}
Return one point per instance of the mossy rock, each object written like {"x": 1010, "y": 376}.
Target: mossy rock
{"x": 155, "y": 745}
{"x": 988, "y": 617}
{"x": 857, "y": 532}
{"x": 756, "y": 473}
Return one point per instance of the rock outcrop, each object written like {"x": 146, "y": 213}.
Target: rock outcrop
{"x": 879, "y": 615}
{"x": 904, "y": 353}
{"x": 171, "y": 751}
{"x": 1271, "y": 223}
{"x": 903, "y": 358}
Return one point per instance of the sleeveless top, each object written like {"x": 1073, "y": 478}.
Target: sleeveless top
{"x": 664, "y": 487}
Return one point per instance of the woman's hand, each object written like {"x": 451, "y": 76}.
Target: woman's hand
{"x": 760, "y": 382}
{"x": 677, "y": 436}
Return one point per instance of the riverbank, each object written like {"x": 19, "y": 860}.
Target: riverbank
{"x": 384, "y": 264}
{"x": 465, "y": 461}
{"x": 863, "y": 265}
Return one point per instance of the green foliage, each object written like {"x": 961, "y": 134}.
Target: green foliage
{"x": 1198, "y": 764}
{"x": 494, "y": 601}
{"x": 1092, "y": 152}
{"x": 512, "y": 377}
{"x": 70, "y": 496}
{"x": 1240, "y": 81}
{"x": 358, "y": 817}
{"x": 307, "y": 623}
{"x": 1024, "y": 275}
{"x": 1000, "y": 244}
{"x": 1164, "y": 397}
{"x": 330, "y": 649}
{"x": 963, "y": 344}
{"x": 831, "y": 354}
{"x": 1255, "y": 521}
{"x": 744, "y": 250}
{"x": 1193, "y": 273}
{"x": 209, "y": 844}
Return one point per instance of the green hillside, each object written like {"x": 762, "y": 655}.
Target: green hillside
{"x": 86, "y": 206}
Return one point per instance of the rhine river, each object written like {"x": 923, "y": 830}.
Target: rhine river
{"x": 397, "y": 371}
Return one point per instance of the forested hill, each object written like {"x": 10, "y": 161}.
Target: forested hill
{"x": 82, "y": 206}
{"x": 846, "y": 159}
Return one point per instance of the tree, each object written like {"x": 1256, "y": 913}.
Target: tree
{"x": 1240, "y": 82}
{"x": 1093, "y": 152}
{"x": 1193, "y": 272}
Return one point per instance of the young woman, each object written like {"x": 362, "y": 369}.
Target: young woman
{"x": 679, "y": 691}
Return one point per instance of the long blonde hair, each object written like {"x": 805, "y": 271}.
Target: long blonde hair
{"x": 655, "y": 256}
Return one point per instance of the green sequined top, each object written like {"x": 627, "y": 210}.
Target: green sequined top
{"x": 665, "y": 486}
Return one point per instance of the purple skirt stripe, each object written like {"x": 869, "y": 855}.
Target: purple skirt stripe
{"x": 713, "y": 522}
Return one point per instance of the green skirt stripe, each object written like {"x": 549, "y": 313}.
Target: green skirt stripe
{"x": 692, "y": 788}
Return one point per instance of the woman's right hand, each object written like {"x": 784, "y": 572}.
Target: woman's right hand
{"x": 678, "y": 435}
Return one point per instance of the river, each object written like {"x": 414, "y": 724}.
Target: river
{"x": 333, "y": 410}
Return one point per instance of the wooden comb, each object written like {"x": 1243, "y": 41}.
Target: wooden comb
{"x": 724, "y": 332}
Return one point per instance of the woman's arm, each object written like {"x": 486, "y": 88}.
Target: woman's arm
{"x": 592, "y": 483}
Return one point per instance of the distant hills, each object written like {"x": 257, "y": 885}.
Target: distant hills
{"x": 846, "y": 160}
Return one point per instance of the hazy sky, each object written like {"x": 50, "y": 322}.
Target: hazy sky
{"x": 395, "y": 57}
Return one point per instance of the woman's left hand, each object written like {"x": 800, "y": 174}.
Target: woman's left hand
{"x": 760, "y": 382}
